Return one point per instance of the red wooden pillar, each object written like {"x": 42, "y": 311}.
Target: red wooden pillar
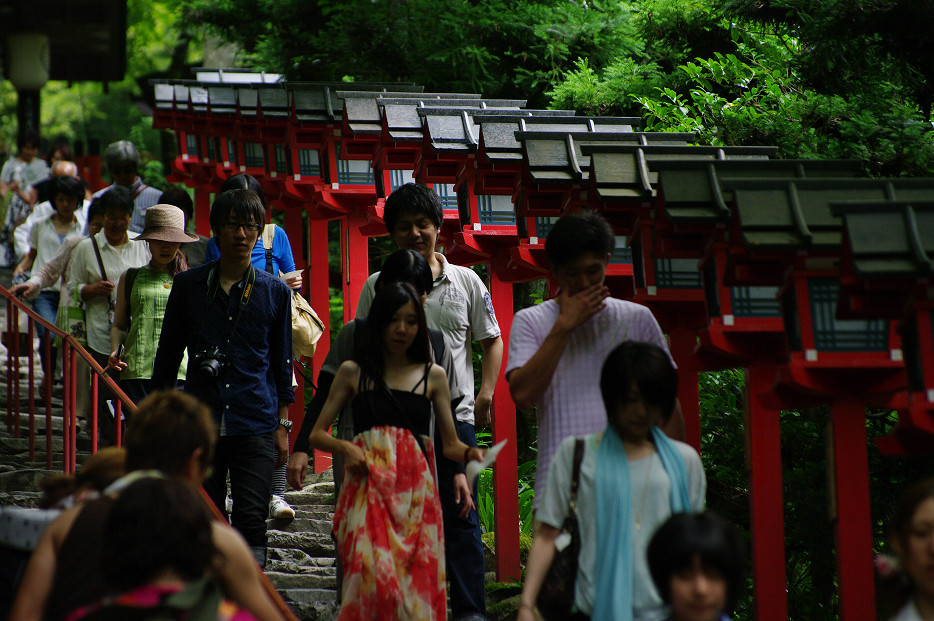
{"x": 850, "y": 464}
{"x": 319, "y": 296}
{"x": 203, "y": 211}
{"x": 682, "y": 341}
{"x": 505, "y": 471}
{"x": 767, "y": 517}
{"x": 355, "y": 261}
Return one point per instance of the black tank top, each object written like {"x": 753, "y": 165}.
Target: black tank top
{"x": 384, "y": 406}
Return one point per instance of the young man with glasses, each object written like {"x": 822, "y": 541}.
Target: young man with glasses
{"x": 236, "y": 323}
{"x": 122, "y": 161}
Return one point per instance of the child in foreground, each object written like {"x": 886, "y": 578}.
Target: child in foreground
{"x": 697, "y": 565}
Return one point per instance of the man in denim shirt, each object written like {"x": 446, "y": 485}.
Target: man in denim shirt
{"x": 236, "y": 322}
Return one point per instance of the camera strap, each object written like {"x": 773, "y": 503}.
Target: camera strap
{"x": 214, "y": 283}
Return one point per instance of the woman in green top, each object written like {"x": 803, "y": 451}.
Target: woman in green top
{"x": 140, "y": 310}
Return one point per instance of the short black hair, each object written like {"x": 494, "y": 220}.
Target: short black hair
{"x": 180, "y": 198}
{"x": 707, "y": 536}
{"x": 117, "y": 198}
{"x": 648, "y": 367}
{"x": 96, "y": 208}
{"x": 244, "y": 205}
{"x": 67, "y": 185}
{"x": 245, "y": 181}
{"x": 155, "y": 525}
{"x": 413, "y": 198}
{"x": 409, "y": 266}
{"x": 574, "y": 234}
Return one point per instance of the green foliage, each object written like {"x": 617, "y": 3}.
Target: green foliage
{"x": 502, "y": 48}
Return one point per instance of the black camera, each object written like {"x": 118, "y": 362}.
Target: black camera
{"x": 209, "y": 362}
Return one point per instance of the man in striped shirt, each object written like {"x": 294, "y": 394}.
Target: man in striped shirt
{"x": 557, "y": 348}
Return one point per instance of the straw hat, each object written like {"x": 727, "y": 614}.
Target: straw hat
{"x": 166, "y": 223}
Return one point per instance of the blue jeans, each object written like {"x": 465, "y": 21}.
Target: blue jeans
{"x": 463, "y": 549}
{"x": 250, "y": 461}
{"x": 47, "y": 307}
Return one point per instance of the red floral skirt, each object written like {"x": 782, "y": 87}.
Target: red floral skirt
{"x": 389, "y": 532}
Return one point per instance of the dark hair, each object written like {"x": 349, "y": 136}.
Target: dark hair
{"x": 99, "y": 471}
{"x": 686, "y": 536}
{"x": 28, "y": 138}
{"x": 645, "y": 365}
{"x": 244, "y": 205}
{"x": 574, "y": 234}
{"x": 908, "y": 503}
{"x": 59, "y": 145}
{"x": 245, "y": 181}
{"x": 168, "y": 427}
{"x": 154, "y": 525}
{"x": 180, "y": 198}
{"x": 67, "y": 185}
{"x": 96, "y": 208}
{"x": 409, "y": 266}
{"x": 117, "y": 198}
{"x": 413, "y": 198}
{"x": 369, "y": 350}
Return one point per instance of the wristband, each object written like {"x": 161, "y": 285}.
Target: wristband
{"x": 467, "y": 454}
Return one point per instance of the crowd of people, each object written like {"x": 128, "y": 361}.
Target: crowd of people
{"x": 198, "y": 332}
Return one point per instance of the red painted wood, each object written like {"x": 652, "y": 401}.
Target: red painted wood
{"x": 682, "y": 342}
{"x": 505, "y": 473}
{"x": 355, "y": 267}
{"x": 202, "y": 212}
{"x": 320, "y": 301}
{"x": 853, "y": 527}
{"x": 766, "y": 506}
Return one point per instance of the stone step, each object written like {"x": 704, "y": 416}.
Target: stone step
{"x": 288, "y": 580}
{"x": 301, "y": 525}
{"x": 313, "y": 544}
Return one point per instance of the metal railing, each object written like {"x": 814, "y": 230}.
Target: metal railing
{"x": 71, "y": 351}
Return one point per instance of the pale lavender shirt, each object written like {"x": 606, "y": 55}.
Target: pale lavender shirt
{"x": 572, "y": 404}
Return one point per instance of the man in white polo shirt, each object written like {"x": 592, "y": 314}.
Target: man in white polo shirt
{"x": 460, "y": 306}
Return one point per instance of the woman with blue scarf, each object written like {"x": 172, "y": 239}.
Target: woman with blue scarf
{"x": 632, "y": 479}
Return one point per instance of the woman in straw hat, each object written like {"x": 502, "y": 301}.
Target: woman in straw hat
{"x": 141, "y": 298}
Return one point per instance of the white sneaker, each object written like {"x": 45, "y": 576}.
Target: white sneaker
{"x": 280, "y": 509}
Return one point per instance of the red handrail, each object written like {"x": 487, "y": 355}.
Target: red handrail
{"x": 71, "y": 350}
{"x": 69, "y": 393}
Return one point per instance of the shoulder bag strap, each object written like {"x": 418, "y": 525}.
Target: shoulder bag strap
{"x": 100, "y": 261}
{"x": 269, "y": 234}
{"x": 139, "y": 190}
{"x": 131, "y": 275}
{"x": 576, "y": 473}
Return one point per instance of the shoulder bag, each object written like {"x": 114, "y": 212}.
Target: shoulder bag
{"x": 307, "y": 327}
{"x": 556, "y": 595}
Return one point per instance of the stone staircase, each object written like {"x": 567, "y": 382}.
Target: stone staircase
{"x": 301, "y": 561}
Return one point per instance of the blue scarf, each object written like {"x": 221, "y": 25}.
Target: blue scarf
{"x": 614, "y": 579}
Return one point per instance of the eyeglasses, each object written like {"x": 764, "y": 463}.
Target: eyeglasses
{"x": 247, "y": 226}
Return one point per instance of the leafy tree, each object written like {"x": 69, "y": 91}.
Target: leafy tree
{"x": 502, "y": 48}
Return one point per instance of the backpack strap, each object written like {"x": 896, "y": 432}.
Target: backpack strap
{"x": 131, "y": 275}
{"x": 269, "y": 233}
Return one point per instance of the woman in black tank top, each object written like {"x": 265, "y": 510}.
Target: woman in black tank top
{"x": 388, "y": 514}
